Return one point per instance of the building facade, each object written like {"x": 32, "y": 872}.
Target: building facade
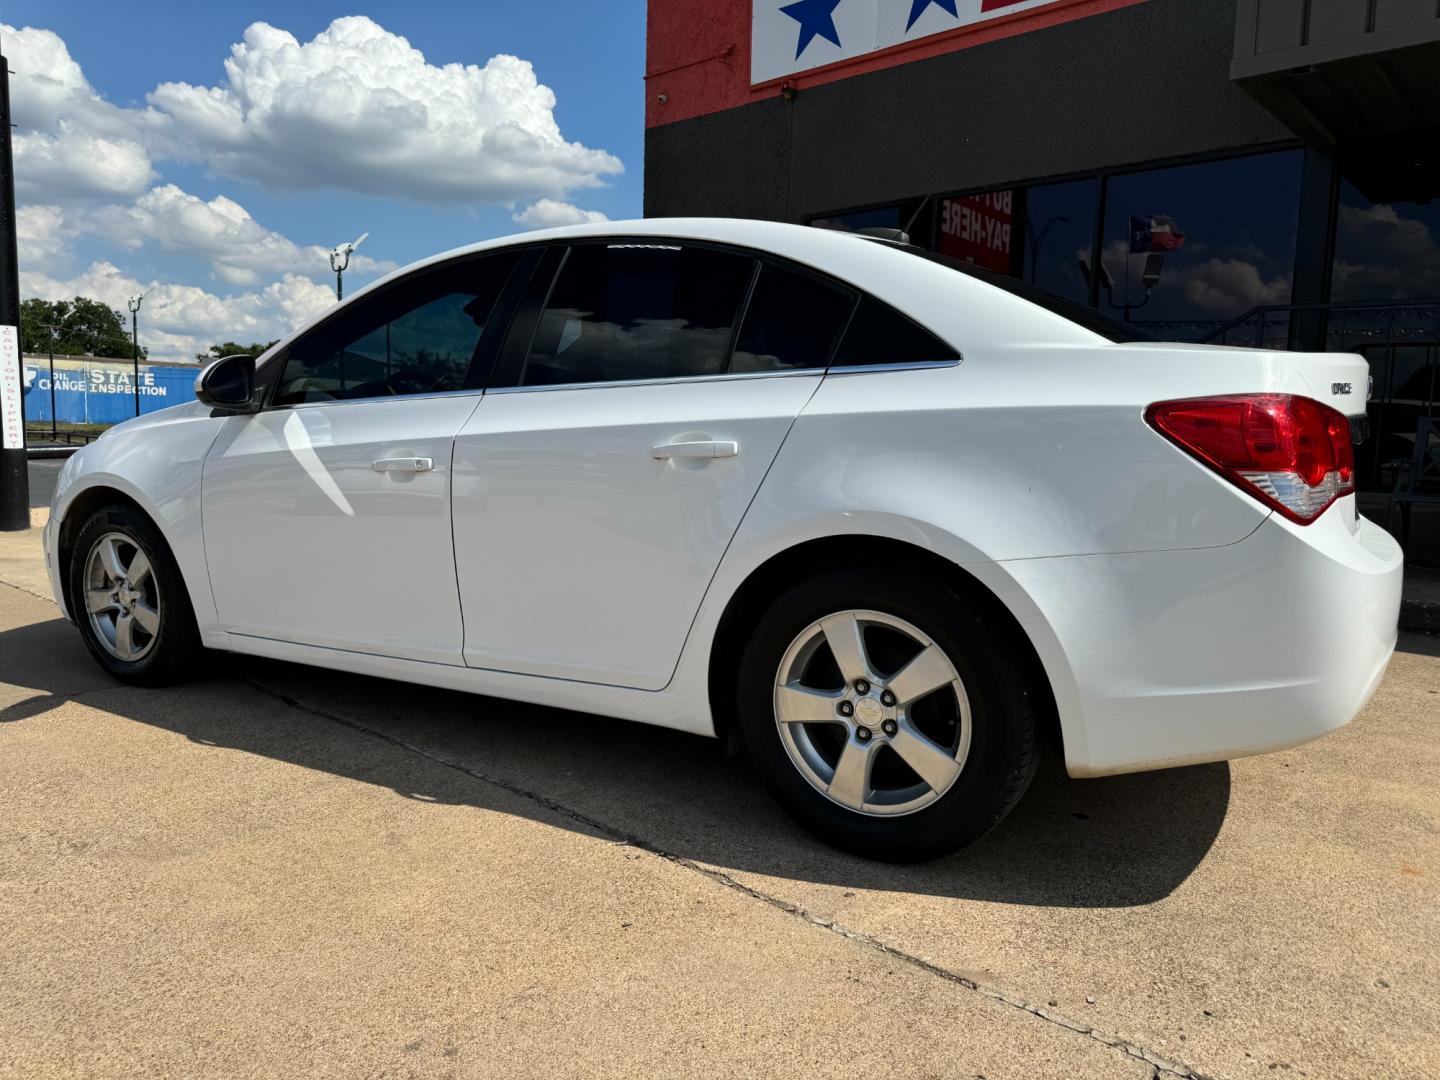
{"x": 1255, "y": 172}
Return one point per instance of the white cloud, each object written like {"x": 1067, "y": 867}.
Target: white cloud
{"x": 359, "y": 108}
{"x": 73, "y": 164}
{"x": 1381, "y": 253}
{"x": 178, "y": 321}
{"x": 70, "y": 141}
{"x": 42, "y": 234}
{"x": 356, "y": 108}
{"x": 77, "y": 155}
{"x": 549, "y": 214}
{"x": 1227, "y": 286}
{"x": 240, "y": 250}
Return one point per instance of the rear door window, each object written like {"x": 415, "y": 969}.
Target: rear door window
{"x": 792, "y": 323}
{"x": 631, "y": 310}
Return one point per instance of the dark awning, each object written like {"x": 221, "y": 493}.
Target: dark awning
{"x": 1350, "y": 73}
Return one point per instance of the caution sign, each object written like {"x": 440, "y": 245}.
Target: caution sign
{"x": 12, "y": 391}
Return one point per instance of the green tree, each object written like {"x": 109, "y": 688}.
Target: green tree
{"x": 79, "y": 327}
{"x": 231, "y": 348}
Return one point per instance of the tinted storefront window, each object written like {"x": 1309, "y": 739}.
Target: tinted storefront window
{"x": 980, "y": 229}
{"x": 1191, "y": 247}
{"x": 1058, "y": 230}
{"x": 1039, "y": 234}
{"x": 1385, "y": 251}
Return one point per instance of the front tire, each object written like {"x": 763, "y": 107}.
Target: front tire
{"x": 892, "y": 715}
{"x": 130, "y": 601}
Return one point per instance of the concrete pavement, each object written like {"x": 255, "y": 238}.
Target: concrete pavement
{"x": 280, "y": 871}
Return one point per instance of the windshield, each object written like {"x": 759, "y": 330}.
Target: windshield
{"x": 1097, "y": 322}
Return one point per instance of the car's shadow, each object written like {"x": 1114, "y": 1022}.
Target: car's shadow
{"x": 1097, "y": 843}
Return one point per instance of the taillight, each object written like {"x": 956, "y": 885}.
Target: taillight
{"x": 1291, "y": 453}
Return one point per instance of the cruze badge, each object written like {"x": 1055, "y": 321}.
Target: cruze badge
{"x": 1340, "y": 388}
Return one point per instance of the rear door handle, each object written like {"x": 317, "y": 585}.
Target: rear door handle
{"x": 704, "y": 448}
{"x": 403, "y": 464}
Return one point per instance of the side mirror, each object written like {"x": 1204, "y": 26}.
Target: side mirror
{"x": 229, "y": 384}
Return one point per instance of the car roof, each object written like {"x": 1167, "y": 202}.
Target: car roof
{"x": 963, "y": 310}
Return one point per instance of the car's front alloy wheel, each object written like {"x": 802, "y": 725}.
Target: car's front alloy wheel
{"x": 122, "y": 597}
{"x": 892, "y": 714}
{"x": 129, "y": 599}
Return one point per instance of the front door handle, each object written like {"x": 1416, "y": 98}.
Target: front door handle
{"x": 704, "y": 448}
{"x": 403, "y": 464}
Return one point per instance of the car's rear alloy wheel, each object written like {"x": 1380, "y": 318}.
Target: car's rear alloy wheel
{"x": 893, "y": 714}
{"x": 129, "y": 599}
{"x": 122, "y": 597}
{"x": 872, "y": 712}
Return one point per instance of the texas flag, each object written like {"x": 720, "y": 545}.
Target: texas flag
{"x": 1157, "y": 233}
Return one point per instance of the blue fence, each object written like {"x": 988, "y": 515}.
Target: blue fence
{"x": 99, "y": 391}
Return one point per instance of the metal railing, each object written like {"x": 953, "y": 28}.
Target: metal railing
{"x": 1342, "y": 325}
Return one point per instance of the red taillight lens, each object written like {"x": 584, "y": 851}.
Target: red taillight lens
{"x": 1291, "y": 453}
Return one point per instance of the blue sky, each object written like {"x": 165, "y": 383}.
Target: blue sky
{"x": 324, "y": 137}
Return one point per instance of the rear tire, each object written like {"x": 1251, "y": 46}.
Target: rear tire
{"x": 129, "y": 599}
{"x": 846, "y": 769}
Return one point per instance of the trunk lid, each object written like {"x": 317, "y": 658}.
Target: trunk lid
{"x": 1340, "y": 380}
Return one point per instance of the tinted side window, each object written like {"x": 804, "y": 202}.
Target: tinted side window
{"x": 879, "y": 334}
{"x": 417, "y": 336}
{"x": 792, "y": 322}
{"x": 638, "y": 311}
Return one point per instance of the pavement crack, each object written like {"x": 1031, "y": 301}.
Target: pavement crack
{"x": 27, "y": 592}
{"x": 1163, "y": 1067}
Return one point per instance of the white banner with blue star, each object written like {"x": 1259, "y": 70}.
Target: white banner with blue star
{"x": 788, "y": 36}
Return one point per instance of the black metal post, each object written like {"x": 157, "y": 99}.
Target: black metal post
{"x": 14, "y": 468}
{"x": 54, "y": 418}
{"x": 135, "y": 350}
{"x": 1314, "y": 250}
{"x": 1097, "y": 241}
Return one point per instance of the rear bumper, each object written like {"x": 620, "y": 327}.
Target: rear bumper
{"x": 1180, "y": 657}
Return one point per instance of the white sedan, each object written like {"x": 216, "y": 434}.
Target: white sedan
{"x": 890, "y": 522}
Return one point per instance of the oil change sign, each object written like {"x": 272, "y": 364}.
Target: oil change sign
{"x": 85, "y": 390}
{"x": 789, "y": 36}
{"x": 12, "y": 415}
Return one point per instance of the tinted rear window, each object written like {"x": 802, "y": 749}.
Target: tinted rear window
{"x": 1097, "y": 322}
{"x": 878, "y": 334}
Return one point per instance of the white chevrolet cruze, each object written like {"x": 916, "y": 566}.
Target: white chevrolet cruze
{"x": 888, "y": 521}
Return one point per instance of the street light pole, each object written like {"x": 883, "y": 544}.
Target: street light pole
{"x": 54, "y": 419}
{"x": 1038, "y": 241}
{"x": 340, "y": 262}
{"x": 14, "y": 463}
{"x": 135, "y": 344}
